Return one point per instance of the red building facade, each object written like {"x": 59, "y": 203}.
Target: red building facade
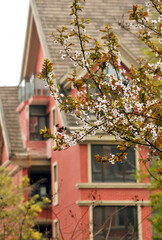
{"x": 88, "y": 200}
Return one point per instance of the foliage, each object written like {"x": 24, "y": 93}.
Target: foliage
{"x": 127, "y": 109}
{"x": 156, "y": 198}
{"x": 16, "y": 213}
{"x": 124, "y": 104}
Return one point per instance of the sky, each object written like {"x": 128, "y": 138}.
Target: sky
{"x": 13, "y": 22}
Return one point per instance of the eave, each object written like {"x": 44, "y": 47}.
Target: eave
{"x": 34, "y": 36}
{"x": 4, "y": 130}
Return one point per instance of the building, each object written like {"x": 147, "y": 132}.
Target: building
{"x": 88, "y": 200}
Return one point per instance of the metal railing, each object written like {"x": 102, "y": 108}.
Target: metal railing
{"x": 30, "y": 87}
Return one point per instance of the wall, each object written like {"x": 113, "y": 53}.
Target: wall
{"x": 73, "y": 169}
{"x": 40, "y": 58}
{"x": 4, "y": 154}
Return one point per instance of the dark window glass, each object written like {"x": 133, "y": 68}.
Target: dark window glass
{"x": 46, "y": 230}
{"x": 41, "y": 184}
{"x": 109, "y": 69}
{"x": 108, "y": 172}
{"x": 115, "y": 223}
{"x": 38, "y": 120}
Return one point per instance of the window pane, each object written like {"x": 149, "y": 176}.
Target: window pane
{"x": 107, "y": 172}
{"x": 42, "y": 123}
{"x": 38, "y": 120}
{"x": 37, "y": 110}
{"x": 43, "y": 191}
{"x": 121, "y": 220}
{"x": 41, "y": 184}
{"x": 45, "y": 229}
{"x": 33, "y": 124}
{"x": 96, "y": 168}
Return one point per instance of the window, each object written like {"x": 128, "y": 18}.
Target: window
{"x": 109, "y": 69}
{"x": 108, "y": 172}
{"x": 115, "y": 223}
{"x": 55, "y": 184}
{"x": 46, "y": 230}
{"x": 54, "y": 121}
{"x": 56, "y": 229}
{"x": 41, "y": 182}
{"x": 38, "y": 120}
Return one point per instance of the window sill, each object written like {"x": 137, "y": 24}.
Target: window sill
{"x": 55, "y": 204}
{"x": 112, "y": 185}
{"x": 112, "y": 203}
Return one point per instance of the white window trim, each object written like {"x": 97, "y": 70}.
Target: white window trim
{"x": 139, "y": 221}
{"x": 112, "y": 203}
{"x": 90, "y": 165}
{"x": 92, "y": 204}
{"x": 90, "y": 222}
{"x": 56, "y": 221}
{"x": 54, "y": 129}
{"x": 55, "y": 191}
{"x": 113, "y": 185}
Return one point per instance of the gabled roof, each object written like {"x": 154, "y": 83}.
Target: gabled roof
{"x": 45, "y": 16}
{"x": 52, "y": 14}
{"x": 9, "y": 120}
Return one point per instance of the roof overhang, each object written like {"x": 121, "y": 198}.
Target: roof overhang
{"x": 27, "y": 160}
{"x": 34, "y": 37}
{"x": 4, "y": 130}
{"x": 39, "y": 100}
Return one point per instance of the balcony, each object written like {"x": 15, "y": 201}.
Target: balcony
{"x": 30, "y": 87}
{"x": 40, "y": 179}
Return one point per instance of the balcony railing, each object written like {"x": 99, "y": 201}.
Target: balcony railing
{"x": 30, "y": 87}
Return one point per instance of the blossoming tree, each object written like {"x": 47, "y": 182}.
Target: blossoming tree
{"x": 124, "y": 104}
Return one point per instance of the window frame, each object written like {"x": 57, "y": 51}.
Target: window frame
{"x": 55, "y": 193}
{"x": 45, "y": 115}
{"x": 54, "y": 119}
{"x": 46, "y": 184}
{"x": 109, "y": 69}
{"x": 90, "y": 205}
{"x": 117, "y": 227}
{"x": 54, "y": 123}
{"x": 44, "y": 224}
{"x": 89, "y": 148}
{"x": 56, "y": 229}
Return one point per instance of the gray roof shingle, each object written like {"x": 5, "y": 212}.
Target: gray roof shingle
{"x": 9, "y": 98}
{"x": 53, "y": 14}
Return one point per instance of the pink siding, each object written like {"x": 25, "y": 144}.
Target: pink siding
{"x": 23, "y": 110}
{"x": 143, "y": 155}
{"x": 73, "y": 169}
{"x": 69, "y": 174}
{"x": 40, "y": 58}
{"x": 115, "y": 194}
{"x": 4, "y": 154}
{"x": 83, "y": 163}
{"x": 145, "y": 223}
{"x": 46, "y": 214}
